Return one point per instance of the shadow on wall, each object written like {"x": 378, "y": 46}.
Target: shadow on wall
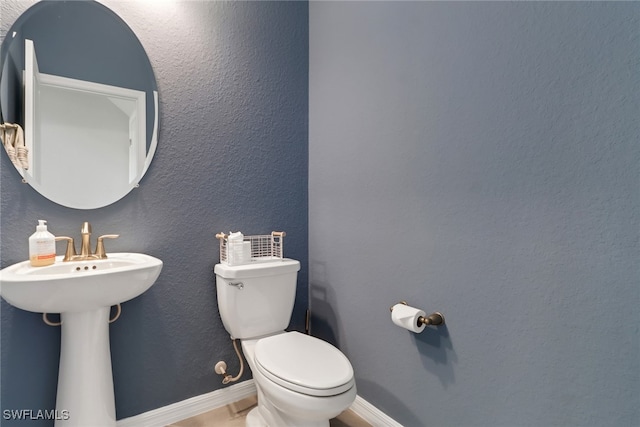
{"x": 436, "y": 352}
{"x": 323, "y": 322}
{"x": 325, "y": 326}
{"x": 433, "y": 343}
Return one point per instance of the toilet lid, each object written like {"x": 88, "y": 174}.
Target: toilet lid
{"x": 304, "y": 364}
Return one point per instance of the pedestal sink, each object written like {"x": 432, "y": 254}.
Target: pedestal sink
{"x": 82, "y": 292}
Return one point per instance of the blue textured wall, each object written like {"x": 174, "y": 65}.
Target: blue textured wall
{"x": 482, "y": 159}
{"x": 232, "y": 154}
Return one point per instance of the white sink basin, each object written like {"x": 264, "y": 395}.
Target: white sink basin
{"x": 78, "y": 285}
{"x": 83, "y": 293}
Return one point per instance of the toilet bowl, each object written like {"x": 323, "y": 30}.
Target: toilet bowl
{"x": 302, "y": 381}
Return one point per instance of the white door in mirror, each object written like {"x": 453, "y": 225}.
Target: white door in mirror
{"x": 61, "y": 115}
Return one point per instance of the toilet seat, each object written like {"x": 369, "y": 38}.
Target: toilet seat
{"x": 304, "y": 364}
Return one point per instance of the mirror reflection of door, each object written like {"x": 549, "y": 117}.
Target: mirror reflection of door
{"x": 89, "y": 82}
{"x": 89, "y": 134}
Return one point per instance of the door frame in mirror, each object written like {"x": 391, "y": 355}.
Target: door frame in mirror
{"x": 105, "y": 19}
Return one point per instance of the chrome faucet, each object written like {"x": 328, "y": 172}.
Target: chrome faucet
{"x": 85, "y": 248}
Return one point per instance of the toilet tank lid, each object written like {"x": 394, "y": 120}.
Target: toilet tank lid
{"x": 257, "y": 269}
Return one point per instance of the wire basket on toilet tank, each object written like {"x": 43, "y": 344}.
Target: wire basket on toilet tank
{"x": 238, "y": 249}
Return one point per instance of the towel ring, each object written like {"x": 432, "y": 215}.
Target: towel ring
{"x": 118, "y": 313}
{"x": 46, "y": 320}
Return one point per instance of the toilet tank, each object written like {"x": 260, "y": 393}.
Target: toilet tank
{"x": 256, "y": 299}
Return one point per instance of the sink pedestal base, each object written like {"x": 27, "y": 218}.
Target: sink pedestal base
{"x": 85, "y": 382}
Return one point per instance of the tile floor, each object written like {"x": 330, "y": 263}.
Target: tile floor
{"x": 233, "y": 415}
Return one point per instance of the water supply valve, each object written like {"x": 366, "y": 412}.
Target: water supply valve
{"x": 221, "y": 369}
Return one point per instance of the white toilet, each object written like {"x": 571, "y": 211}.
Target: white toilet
{"x": 302, "y": 381}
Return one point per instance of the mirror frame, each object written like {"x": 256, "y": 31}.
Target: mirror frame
{"x": 70, "y": 63}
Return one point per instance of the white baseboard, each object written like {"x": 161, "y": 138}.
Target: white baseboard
{"x": 179, "y": 411}
{"x": 372, "y": 415}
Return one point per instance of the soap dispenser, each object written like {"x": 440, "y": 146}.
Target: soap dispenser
{"x": 42, "y": 246}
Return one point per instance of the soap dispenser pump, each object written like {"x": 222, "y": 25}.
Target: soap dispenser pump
{"x": 42, "y": 246}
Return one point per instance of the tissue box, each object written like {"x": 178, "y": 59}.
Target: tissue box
{"x": 238, "y": 253}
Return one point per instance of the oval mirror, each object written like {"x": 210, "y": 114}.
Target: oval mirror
{"x": 78, "y": 81}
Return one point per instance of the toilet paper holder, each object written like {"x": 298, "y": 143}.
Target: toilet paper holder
{"x": 436, "y": 318}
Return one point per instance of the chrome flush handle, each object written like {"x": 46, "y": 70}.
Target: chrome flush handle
{"x": 238, "y": 285}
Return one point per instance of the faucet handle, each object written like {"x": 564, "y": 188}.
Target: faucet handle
{"x": 100, "y": 252}
{"x": 71, "y": 248}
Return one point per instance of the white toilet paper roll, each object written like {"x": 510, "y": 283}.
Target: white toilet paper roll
{"x": 407, "y": 317}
